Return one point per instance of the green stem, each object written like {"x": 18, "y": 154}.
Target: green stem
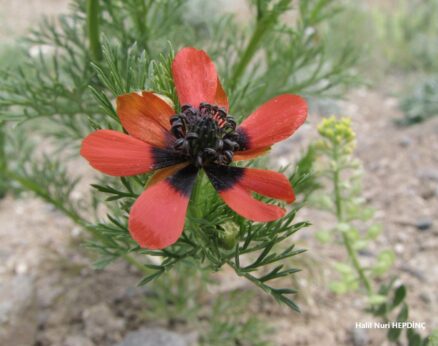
{"x": 264, "y": 23}
{"x": 141, "y": 23}
{"x": 248, "y": 276}
{"x": 3, "y": 163}
{"x": 196, "y": 209}
{"x": 93, "y": 29}
{"x": 76, "y": 218}
{"x": 247, "y": 54}
{"x": 339, "y": 215}
{"x": 337, "y": 191}
{"x": 353, "y": 256}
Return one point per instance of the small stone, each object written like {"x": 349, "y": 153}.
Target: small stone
{"x": 399, "y": 248}
{"x": 426, "y": 297}
{"x": 76, "y": 232}
{"x": 49, "y": 294}
{"x": 428, "y": 174}
{"x": 427, "y": 190}
{"x": 414, "y": 272}
{"x": 101, "y": 323}
{"x": 77, "y": 340}
{"x": 153, "y": 337}
{"x": 133, "y": 292}
{"x": 423, "y": 224}
{"x": 21, "y": 268}
{"x": 391, "y": 102}
{"x": 405, "y": 142}
{"x": 18, "y": 317}
{"x": 359, "y": 336}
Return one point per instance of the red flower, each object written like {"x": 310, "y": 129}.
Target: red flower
{"x": 201, "y": 136}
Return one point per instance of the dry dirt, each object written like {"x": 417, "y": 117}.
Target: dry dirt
{"x": 401, "y": 184}
{"x": 18, "y": 17}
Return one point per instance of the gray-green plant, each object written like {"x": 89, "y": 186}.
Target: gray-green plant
{"x": 420, "y": 102}
{"x": 355, "y": 228}
{"x": 102, "y": 49}
{"x": 183, "y": 298}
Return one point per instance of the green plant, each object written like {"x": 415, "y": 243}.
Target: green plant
{"x": 407, "y": 34}
{"x": 178, "y": 295}
{"x": 343, "y": 174}
{"x": 420, "y": 103}
{"x": 181, "y": 297}
{"x": 232, "y": 324}
{"x": 389, "y": 37}
{"x": 65, "y": 93}
{"x": 353, "y": 21}
{"x": 347, "y": 204}
{"x": 3, "y": 165}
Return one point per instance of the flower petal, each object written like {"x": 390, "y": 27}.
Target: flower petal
{"x": 157, "y": 217}
{"x": 164, "y": 173}
{"x": 117, "y": 154}
{"x": 272, "y": 122}
{"x": 242, "y": 203}
{"x": 221, "y": 98}
{"x": 146, "y": 117}
{"x": 195, "y": 77}
{"x": 228, "y": 182}
{"x": 250, "y": 154}
{"x": 267, "y": 183}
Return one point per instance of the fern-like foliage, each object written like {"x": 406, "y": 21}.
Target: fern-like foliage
{"x": 62, "y": 93}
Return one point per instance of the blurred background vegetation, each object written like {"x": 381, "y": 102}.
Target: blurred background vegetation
{"x": 395, "y": 40}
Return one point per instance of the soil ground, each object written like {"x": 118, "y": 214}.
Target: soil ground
{"x": 68, "y": 298}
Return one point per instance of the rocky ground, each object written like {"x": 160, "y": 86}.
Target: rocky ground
{"x": 50, "y": 295}
{"x": 401, "y": 184}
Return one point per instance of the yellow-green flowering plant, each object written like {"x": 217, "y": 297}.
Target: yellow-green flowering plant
{"x": 355, "y": 227}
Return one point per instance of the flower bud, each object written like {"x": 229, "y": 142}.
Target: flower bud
{"x": 229, "y": 235}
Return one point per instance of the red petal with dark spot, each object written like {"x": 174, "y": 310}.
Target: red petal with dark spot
{"x": 267, "y": 183}
{"x": 164, "y": 173}
{"x": 235, "y": 183}
{"x": 157, "y": 217}
{"x": 274, "y": 121}
{"x": 195, "y": 77}
{"x": 241, "y": 201}
{"x": 146, "y": 117}
{"x": 117, "y": 154}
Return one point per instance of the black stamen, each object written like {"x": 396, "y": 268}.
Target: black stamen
{"x": 210, "y": 152}
{"x": 229, "y": 155}
{"x": 219, "y": 145}
{"x": 184, "y": 108}
{"x": 205, "y": 135}
{"x": 191, "y": 135}
{"x": 179, "y": 143}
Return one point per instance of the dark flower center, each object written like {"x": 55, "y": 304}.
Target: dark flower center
{"x": 205, "y": 135}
